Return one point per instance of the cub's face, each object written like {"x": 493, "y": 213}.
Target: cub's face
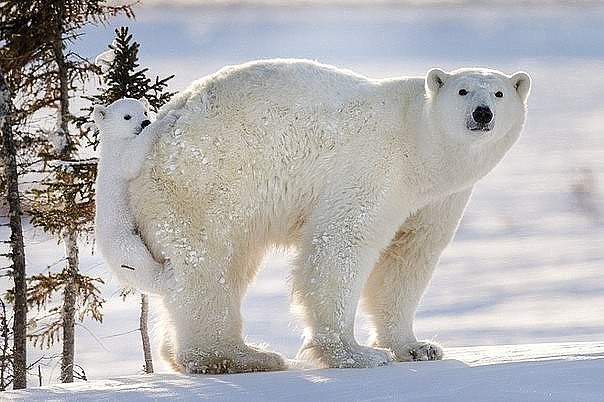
{"x": 124, "y": 118}
{"x": 476, "y": 105}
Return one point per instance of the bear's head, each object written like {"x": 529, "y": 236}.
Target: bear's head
{"x": 476, "y": 105}
{"x": 124, "y": 118}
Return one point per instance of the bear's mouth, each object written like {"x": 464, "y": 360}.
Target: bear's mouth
{"x": 474, "y": 126}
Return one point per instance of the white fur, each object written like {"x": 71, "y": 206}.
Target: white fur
{"x": 366, "y": 178}
{"x": 124, "y": 145}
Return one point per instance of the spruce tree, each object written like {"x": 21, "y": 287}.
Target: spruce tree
{"x": 124, "y": 79}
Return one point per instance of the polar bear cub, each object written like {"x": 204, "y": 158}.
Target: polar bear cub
{"x": 126, "y": 137}
{"x": 366, "y": 179}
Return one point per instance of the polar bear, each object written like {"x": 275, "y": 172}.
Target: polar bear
{"x": 126, "y": 137}
{"x": 366, "y": 179}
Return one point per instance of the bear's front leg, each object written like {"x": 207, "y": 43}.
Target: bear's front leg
{"x": 333, "y": 265}
{"x": 400, "y": 277}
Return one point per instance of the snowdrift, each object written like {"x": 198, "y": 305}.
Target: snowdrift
{"x": 538, "y": 372}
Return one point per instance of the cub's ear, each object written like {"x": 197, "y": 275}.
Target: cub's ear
{"x": 99, "y": 112}
{"x": 522, "y": 82}
{"x": 435, "y": 80}
{"x": 145, "y": 103}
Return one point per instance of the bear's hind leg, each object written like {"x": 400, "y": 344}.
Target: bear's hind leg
{"x": 134, "y": 266}
{"x": 235, "y": 358}
{"x": 205, "y": 312}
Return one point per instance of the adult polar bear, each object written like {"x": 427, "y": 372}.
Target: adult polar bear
{"x": 366, "y": 178}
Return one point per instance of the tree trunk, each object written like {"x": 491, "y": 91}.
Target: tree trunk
{"x": 145, "y": 333}
{"x": 69, "y": 300}
{"x": 70, "y": 235}
{"x": 18, "y": 250}
{"x": 5, "y": 349}
{"x": 63, "y": 115}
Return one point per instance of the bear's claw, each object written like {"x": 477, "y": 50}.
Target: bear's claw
{"x": 420, "y": 351}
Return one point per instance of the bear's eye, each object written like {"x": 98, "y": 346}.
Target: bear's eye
{"x": 499, "y": 94}
{"x": 127, "y": 117}
{"x": 463, "y": 92}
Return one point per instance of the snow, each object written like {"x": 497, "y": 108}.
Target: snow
{"x": 450, "y": 380}
{"x": 518, "y": 297}
{"x": 546, "y": 377}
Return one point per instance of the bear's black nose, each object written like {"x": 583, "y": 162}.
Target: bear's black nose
{"x": 145, "y": 123}
{"x": 482, "y": 115}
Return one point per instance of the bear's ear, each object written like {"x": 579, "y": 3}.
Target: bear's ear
{"x": 521, "y": 81}
{"x": 145, "y": 103}
{"x": 435, "y": 80}
{"x": 99, "y": 113}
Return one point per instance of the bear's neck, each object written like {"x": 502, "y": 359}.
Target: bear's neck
{"x": 460, "y": 164}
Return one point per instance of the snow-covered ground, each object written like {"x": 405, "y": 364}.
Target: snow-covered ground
{"x": 526, "y": 266}
{"x": 559, "y": 378}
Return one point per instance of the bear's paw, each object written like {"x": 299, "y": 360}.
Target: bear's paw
{"x": 239, "y": 359}
{"x": 419, "y": 351}
{"x": 342, "y": 355}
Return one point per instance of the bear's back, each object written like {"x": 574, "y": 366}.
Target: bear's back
{"x": 281, "y": 128}
{"x": 281, "y": 81}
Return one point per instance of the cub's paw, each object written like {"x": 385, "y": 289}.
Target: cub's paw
{"x": 166, "y": 123}
{"x": 342, "y": 355}
{"x": 171, "y": 118}
{"x": 419, "y": 351}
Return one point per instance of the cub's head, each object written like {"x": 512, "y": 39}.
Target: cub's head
{"x": 124, "y": 118}
{"x": 477, "y": 104}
